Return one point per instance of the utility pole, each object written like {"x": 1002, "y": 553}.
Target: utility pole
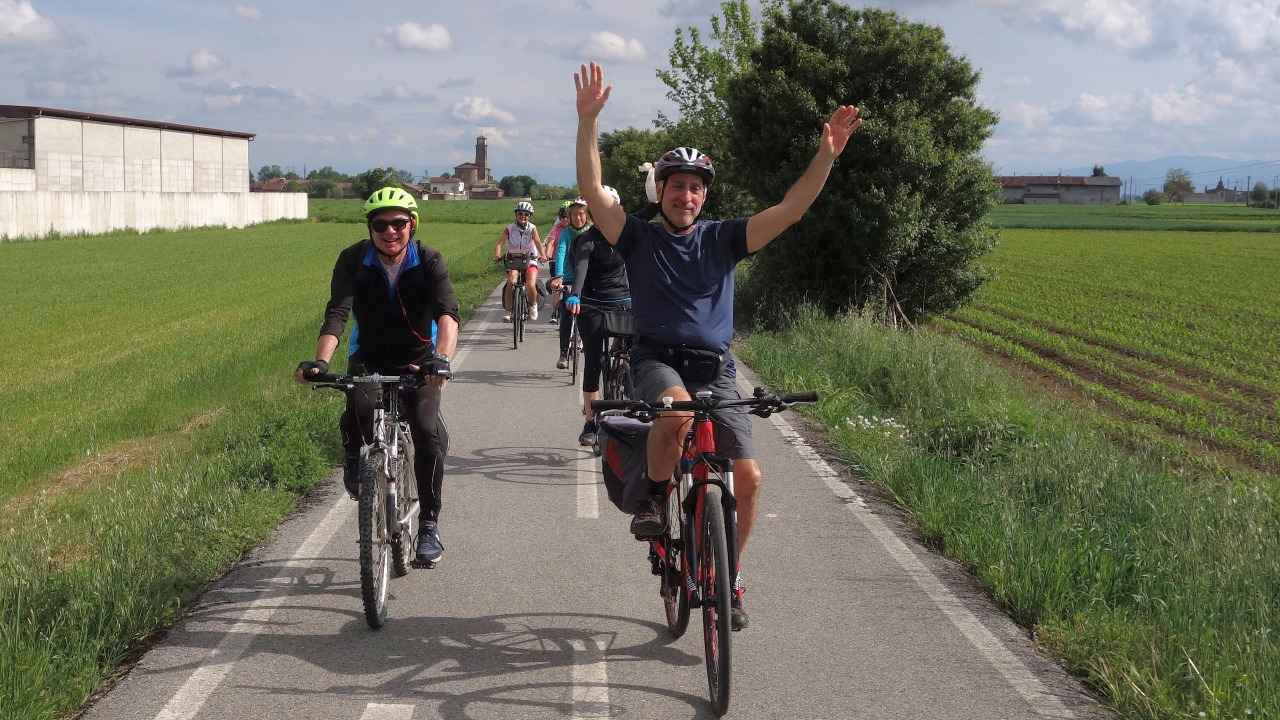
{"x": 1248, "y": 188}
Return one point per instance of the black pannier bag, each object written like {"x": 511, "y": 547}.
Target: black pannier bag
{"x": 622, "y": 455}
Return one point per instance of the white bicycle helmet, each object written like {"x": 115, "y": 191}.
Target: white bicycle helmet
{"x": 524, "y": 206}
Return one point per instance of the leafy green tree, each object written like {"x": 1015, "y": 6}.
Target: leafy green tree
{"x": 1099, "y": 171}
{"x": 1153, "y": 197}
{"x": 1177, "y": 184}
{"x": 400, "y": 175}
{"x": 518, "y": 185}
{"x": 266, "y": 172}
{"x": 366, "y": 182}
{"x": 1258, "y": 195}
{"x": 328, "y": 173}
{"x": 698, "y": 82}
{"x": 900, "y": 225}
{"x": 622, "y": 152}
{"x": 322, "y": 188}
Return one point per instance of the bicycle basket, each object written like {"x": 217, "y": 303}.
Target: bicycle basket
{"x": 622, "y": 444}
{"x": 620, "y": 323}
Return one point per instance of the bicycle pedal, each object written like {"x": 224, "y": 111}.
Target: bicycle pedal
{"x": 423, "y": 564}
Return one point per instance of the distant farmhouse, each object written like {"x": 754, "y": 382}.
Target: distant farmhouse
{"x": 79, "y": 172}
{"x": 1219, "y": 194}
{"x": 1059, "y": 189}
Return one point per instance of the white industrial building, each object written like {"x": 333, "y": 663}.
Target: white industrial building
{"x": 1060, "y": 189}
{"x": 76, "y": 172}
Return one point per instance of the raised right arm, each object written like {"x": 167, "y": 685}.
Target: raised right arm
{"x": 592, "y": 94}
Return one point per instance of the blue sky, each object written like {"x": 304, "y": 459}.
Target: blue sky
{"x": 348, "y": 85}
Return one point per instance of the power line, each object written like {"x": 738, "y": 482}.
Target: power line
{"x": 1219, "y": 170}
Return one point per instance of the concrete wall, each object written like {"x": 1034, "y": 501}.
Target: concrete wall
{"x": 177, "y": 161}
{"x": 141, "y": 159}
{"x": 33, "y": 214}
{"x": 17, "y": 180}
{"x": 59, "y": 154}
{"x": 14, "y": 153}
{"x": 235, "y": 165}
{"x": 208, "y": 163}
{"x": 103, "y": 156}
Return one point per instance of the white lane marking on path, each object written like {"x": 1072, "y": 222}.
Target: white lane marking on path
{"x": 195, "y": 692}
{"x": 590, "y": 681}
{"x": 588, "y": 477}
{"x": 1015, "y": 672}
{"x": 381, "y": 711}
{"x": 214, "y": 669}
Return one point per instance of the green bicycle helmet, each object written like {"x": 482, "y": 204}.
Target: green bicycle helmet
{"x": 391, "y": 197}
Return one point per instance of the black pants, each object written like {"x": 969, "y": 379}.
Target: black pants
{"x": 421, "y": 407}
{"x": 594, "y": 342}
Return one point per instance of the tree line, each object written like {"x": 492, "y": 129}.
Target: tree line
{"x": 326, "y": 182}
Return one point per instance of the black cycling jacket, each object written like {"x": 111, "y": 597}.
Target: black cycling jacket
{"x": 600, "y": 275}
{"x": 395, "y": 327}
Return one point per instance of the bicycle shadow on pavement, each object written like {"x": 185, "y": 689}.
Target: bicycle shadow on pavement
{"x": 522, "y": 465}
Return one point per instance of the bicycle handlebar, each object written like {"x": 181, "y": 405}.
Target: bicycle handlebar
{"x": 762, "y": 401}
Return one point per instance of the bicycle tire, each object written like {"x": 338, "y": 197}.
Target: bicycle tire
{"x": 403, "y": 549}
{"x": 517, "y": 314}
{"x": 714, "y": 581}
{"x": 675, "y": 597}
{"x": 575, "y": 351}
{"x": 375, "y": 568}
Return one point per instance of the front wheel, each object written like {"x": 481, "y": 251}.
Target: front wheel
{"x": 714, "y": 581}
{"x": 517, "y": 315}
{"x": 375, "y": 551}
{"x": 675, "y": 597}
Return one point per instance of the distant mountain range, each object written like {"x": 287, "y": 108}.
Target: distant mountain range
{"x": 1204, "y": 170}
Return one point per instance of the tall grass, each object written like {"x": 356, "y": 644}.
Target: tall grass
{"x": 1157, "y": 584}
{"x": 152, "y": 430}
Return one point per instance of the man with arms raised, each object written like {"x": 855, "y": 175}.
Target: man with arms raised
{"x": 681, "y": 273}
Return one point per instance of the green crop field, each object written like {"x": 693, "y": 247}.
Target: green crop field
{"x": 439, "y": 211}
{"x": 1213, "y": 218}
{"x": 1175, "y": 333}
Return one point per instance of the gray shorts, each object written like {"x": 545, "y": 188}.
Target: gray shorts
{"x": 733, "y": 426}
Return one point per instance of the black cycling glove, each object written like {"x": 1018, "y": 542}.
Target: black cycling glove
{"x": 321, "y": 367}
{"x": 437, "y": 366}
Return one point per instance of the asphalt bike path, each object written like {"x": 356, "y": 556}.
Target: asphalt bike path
{"x": 544, "y": 606}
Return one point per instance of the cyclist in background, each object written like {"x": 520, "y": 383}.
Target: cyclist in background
{"x": 681, "y": 272}
{"x": 599, "y": 286}
{"x": 396, "y": 287}
{"x": 579, "y": 222}
{"x": 521, "y": 238}
{"x": 552, "y": 245}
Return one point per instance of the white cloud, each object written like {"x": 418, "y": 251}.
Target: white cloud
{"x": 202, "y": 61}
{"x": 610, "y": 46}
{"x": 474, "y": 109}
{"x": 497, "y": 137}
{"x": 403, "y": 93}
{"x": 1179, "y": 107}
{"x": 1092, "y": 104}
{"x": 20, "y": 24}
{"x": 689, "y": 8}
{"x": 412, "y": 36}
{"x": 248, "y": 12}
{"x": 1029, "y": 116}
{"x": 222, "y": 102}
{"x": 456, "y": 82}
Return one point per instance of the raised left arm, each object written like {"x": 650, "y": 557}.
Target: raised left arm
{"x": 769, "y": 223}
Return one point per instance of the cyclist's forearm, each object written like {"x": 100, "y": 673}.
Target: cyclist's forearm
{"x": 588, "y": 161}
{"x": 446, "y": 335}
{"x": 325, "y": 347}
{"x": 806, "y": 189}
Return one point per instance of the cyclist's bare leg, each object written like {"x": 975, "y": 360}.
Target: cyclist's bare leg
{"x": 531, "y": 284}
{"x": 746, "y": 488}
{"x": 587, "y": 397}
{"x": 506, "y": 291}
{"x": 663, "y": 449}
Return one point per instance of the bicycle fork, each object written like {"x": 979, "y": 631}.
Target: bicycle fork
{"x": 693, "y": 479}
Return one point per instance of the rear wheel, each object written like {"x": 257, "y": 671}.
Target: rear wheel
{"x": 402, "y": 550}
{"x": 714, "y": 581}
{"x": 575, "y": 351}
{"x": 375, "y": 551}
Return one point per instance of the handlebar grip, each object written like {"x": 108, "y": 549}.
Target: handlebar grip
{"x": 800, "y": 397}
{"x": 322, "y": 377}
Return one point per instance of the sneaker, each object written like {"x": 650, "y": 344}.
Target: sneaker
{"x": 563, "y": 362}
{"x": 588, "y": 436}
{"x": 430, "y": 549}
{"x": 506, "y": 317}
{"x": 533, "y": 312}
{"x": 351, "y": 474}
{"x": 737, "y": 615}
{"x": 647, "y": 522}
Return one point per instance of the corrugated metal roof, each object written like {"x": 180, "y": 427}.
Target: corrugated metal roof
{"x": 1013, "y": 181}
{"x": 34, "y": 111}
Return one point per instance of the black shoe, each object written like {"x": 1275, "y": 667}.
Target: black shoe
{"x": 430, "y": 549}
{"x": 351, "y": 474}
{"x": 648, "y": 522}
{"x": 737, "y": 615}
{"x": 588, "y": 436}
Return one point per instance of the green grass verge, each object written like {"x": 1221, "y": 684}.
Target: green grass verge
{"x": 153, "y": 433}
{"x": 1234, "y": 218}
{"x": 1155, "y": 582}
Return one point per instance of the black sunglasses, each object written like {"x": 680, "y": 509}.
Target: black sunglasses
{"x": 382, "y": 225}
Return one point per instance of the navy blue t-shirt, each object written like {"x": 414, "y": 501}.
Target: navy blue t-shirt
{"x": 682, "y": 285}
